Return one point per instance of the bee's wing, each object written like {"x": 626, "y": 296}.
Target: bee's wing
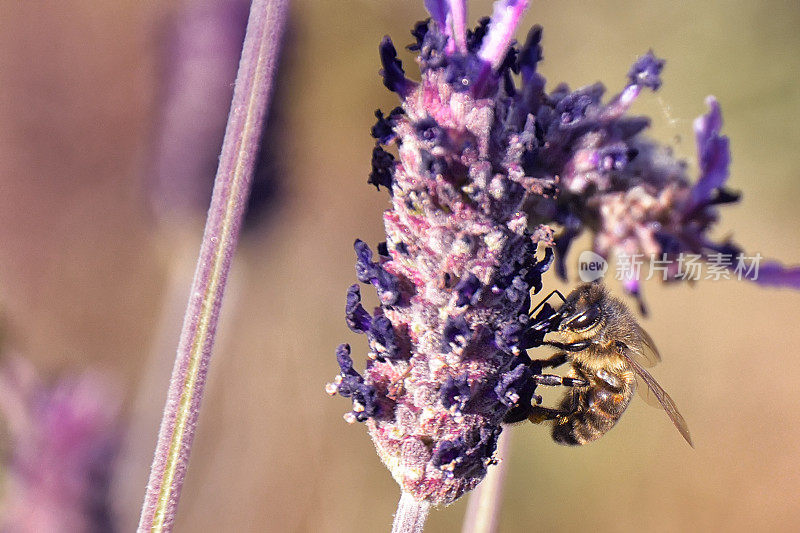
{"x": 661, "y": 396}
{"x": 646, "y": 394}
{"x": 647, "y": 355}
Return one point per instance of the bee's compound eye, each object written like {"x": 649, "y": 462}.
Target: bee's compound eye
{"x": 585, "y": 320}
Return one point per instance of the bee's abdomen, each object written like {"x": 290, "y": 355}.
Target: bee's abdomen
{"x": 596, "y": 409}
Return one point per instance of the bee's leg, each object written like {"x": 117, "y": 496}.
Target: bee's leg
{"x": 551, "y": 362}
{"x": 568, "y": 407}
{"x": 534, "y": 413}
{"x": 552, "y": 380}
{"x": 577, "y": 346}
{"x": 539, "y": 414}
{"x": 517, "y": 414}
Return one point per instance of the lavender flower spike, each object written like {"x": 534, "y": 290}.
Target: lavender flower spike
{"x": 455, "y": 274}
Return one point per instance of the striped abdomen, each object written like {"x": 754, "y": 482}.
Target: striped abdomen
{"x": 594, "y": 409}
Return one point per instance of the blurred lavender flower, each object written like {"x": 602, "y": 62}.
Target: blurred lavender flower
{"x": 63, "y": 439}
{"x": 636, "y": 198}
{"x": 202, "y": 43}
{"x": 631, "y": 193}
{"x": 491, "y": 177}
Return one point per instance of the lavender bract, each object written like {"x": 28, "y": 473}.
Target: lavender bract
{"x": 491, "y": 177}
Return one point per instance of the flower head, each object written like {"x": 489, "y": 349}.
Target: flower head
{"x": 492, "y": 175}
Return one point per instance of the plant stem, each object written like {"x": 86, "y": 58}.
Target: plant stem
{"x": 483, "y": 509}
{"x": 411, "y": 514}
{"x": 231, "y": 189}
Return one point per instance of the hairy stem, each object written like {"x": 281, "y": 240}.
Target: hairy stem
{"x": 231, "y": 189}
{"x": 483, "y": 509}
{"x": 411, "y": 514}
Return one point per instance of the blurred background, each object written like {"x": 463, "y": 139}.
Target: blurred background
{"x": 111, "y": 117}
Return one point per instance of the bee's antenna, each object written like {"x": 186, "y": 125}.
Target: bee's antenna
{"x": 540, "y": 304}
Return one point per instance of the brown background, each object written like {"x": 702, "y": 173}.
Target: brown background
{"x": 88, "y": 277}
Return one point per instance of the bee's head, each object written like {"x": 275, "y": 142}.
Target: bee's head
{"x": 582, "y": 316}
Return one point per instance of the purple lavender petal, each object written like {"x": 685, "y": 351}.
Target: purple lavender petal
{"x": 468, "y": 290}
{"x": 529, "y": 57}
{"x": 712, "y": 152}
{"x": 515, "y": 387}
{"x": 456, "y": 393}
{"x": 773, "y": 274}
{"x": 505, "y": 18}
{"x": 382, "y": 168}
{"x": 394, "y": 78}
{"x": 369, "y": 272}
{"x": 451, "y": 17}
{"x": 382, "y": 130}
{"x": 458, "y": 11}
{"x": 357, "y": 318}
{"x": 439, "y": 10}
{"x": 456, "y": 332}
{"x": 382, "y": 336}
{"x": 345, "y": 360}
{"x": 644, "y": 73}
{"x": 631, "y": 286}
{"x": 647, "y": 71}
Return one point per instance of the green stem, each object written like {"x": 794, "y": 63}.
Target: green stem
{"x": 231, "y": 189}
{"x": 411, "y": 514}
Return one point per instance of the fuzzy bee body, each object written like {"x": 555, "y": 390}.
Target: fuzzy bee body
{"x": 596, "y": 408}
{"x": 607, "y": 351}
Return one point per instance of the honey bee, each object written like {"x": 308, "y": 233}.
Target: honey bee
{"x": 607, "y": 351}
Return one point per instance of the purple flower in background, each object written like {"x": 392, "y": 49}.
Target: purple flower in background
{"x": 202, "y": 42}
{"x": 201, "y": 45}
{"x": 63, "y": 438}
{"x": 494, "y": 176}
{"x": 632, "y": 194}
